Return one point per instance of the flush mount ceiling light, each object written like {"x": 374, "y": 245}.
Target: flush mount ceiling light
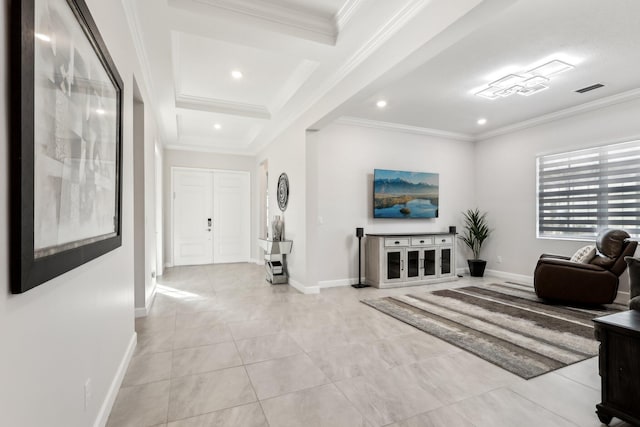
{"x": 100, "y": 111}
{"x": 525, "y": 83}
{"x": 236, "y": 74}
{"x": 381, "y": 104}
{"x": 482, "y": 121}
{"x": 217, "y": 126}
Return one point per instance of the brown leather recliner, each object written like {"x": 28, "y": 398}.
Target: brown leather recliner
{"x": 557, "y": 278}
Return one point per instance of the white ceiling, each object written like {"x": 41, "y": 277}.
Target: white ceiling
{"x": 292, "y": 53}
{"x": 602, "y": 40}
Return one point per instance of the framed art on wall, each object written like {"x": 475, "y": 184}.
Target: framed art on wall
{"x": 67, "y": 144}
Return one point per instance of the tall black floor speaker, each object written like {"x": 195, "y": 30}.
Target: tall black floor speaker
{"x": 359, "y": 235}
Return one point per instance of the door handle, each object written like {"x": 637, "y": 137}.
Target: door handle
{"x": 401, "y": 265}
{"x": 209, "y": 222}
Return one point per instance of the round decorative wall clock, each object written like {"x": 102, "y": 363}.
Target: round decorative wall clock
{"x": 283, "y": 191}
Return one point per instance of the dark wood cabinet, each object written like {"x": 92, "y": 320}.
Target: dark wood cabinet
{"x": 619, "y": 366}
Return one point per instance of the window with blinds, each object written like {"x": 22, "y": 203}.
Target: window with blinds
{"x": 582, "y": 192}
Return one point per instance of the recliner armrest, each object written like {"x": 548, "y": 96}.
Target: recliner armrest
{"x": 568, "y": 264}
{"x": 553, "y": 256}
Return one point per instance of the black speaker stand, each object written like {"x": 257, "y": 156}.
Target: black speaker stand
{"x": 360, "y": 284}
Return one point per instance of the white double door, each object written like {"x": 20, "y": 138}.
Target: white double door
{"x": 211, "y": 216}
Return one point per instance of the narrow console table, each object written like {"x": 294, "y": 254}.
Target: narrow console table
{"x": 275, "y": 260}
{"x": 394, "y": 260}
{"x": 619, "y": 336}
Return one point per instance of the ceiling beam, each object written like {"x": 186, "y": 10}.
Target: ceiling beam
{"x": 270, "y": 15}
{"x": 212, "y": 105}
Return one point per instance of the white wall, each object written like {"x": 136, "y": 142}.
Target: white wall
{"x": 506, "y": 180}
{"x": 139, "y": 229}
{"x": 144, "y": 158}
{"x": 80, "y": 325}
{"x": 158, "y": 168}
{"x": 346, "y": 157}
{"x": 287, "y": 154}
{"x": 192, "y": 159}
{"x": 150, "y": 195}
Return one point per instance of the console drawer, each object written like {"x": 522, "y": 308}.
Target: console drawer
{"x": 422, "y": 241}
{"x": 444, "y": 240}
{"x": 401, "y": 241}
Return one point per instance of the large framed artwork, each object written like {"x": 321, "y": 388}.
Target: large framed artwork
{"x": 67, "y": 142}
{"x": 402, "y": 194}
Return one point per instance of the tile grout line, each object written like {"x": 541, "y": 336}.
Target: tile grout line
{"x": 543, "y": 407}
{"x": 175, "y": 320}
{"x": 248, "y": 376}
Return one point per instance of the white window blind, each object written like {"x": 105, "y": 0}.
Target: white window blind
{"x": 582, "y": 192}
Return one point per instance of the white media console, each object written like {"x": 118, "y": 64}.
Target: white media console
{"x": 395, "y": 260}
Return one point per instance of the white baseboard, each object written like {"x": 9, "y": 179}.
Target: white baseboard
{"x": 518, "y": 278}
{"x": 144, "y": 311}
{"x": 303, "y": 289}
{"x": 168, "y": 264}
{"x": 257, "y": 261}
{"x": 112, "y": 393}
{"x": 337, "y": 283}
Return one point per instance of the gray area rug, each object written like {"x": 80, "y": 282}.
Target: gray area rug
{"x": 505, "y": 324}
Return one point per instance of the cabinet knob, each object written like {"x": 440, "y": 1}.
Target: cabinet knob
{"x": 421, "y": 241}
{"x": 444, "y": 240}
{"x": 397, "y": 243}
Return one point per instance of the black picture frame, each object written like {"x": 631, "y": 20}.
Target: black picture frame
{"x": 93, "y": 178}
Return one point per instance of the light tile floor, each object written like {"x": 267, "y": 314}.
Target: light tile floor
{"x": 221, "y": 347}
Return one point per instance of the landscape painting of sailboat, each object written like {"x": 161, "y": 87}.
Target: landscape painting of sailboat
{"x": 399, "y": 194}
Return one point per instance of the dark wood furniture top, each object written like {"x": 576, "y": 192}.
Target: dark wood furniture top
{"x": 619, "y": 336}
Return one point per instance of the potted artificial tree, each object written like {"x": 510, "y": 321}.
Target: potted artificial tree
{"x": 475, "y": 233}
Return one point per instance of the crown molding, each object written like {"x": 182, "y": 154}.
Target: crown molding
{"x": 391, "y": 27}
{"x": 213, "y": 142}
{"x": 397, "y": 127}
{"x": 561, "y": 114}
{"x": 176, "y": 61}
{"x": 345, "y": 14}
{"x": 134, "y": 28}
{"x": 295, "y": 21}
{"x": 213, "y": 150}
{"x": 212, "y": 105}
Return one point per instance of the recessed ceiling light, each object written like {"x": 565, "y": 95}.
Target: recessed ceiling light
{"x": 236, "y": 74}
{"x": 43, "y": 37}
{"x": 381, "y": 104}
{"x": 100, "y": 111}
{"x": 217, "y": 126}
{"x": 482, "y": 121}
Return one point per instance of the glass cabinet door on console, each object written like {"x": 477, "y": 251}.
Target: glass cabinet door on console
{"x": 394, "y": 265}
{"x": 413, "y": 264}
{"x": 445, "y": 261}
{"x": 429, "y": 263}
